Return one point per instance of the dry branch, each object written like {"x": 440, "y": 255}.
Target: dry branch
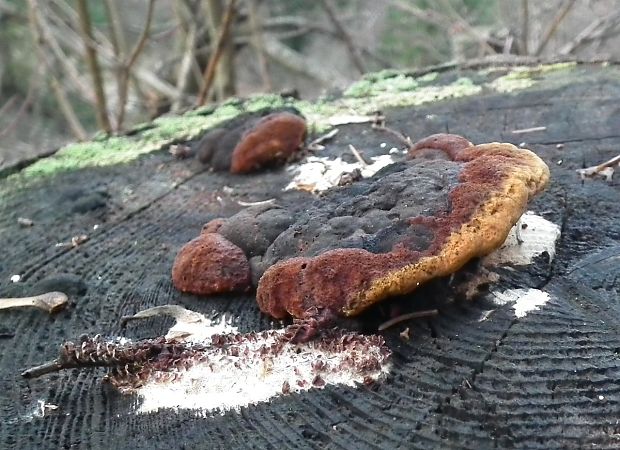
{"x": 553, "y": 26}
{"x": 344, "y": 35}
{"x": 127, "y": 65}
{"x": 209, "y": 73}
{"x": 93, "y": 64}
{"x": 259, "y": 46}
{"x": 61, "y": 97}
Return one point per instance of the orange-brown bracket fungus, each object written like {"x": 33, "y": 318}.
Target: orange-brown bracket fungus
{"x": 409, "y": 223}
{"x": 210, "y": 264}
{"x": 383, "y": 236}
{"x": 253, "y": 141}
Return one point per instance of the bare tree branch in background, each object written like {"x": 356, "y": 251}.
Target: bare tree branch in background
{"x": 49, "y": 41}
{"x": 344, "y": 35}
{"x": 553, "y": 26}
{"x": 127, "y": 65}
{"x": 220, "y": 22}
{"x": 93, "y": 64}
{"x": 61, "y": 97}
{"x": 525, "y": 26}
{"x": 33, "y": 86}
{"x": 599, "y": 28}
{"x": 259, "y": 45}
{"x": 209, "y": 73}
{"x": 297, "y": 63}
{"x": 188, "y": 59}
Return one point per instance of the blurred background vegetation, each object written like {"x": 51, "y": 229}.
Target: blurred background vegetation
{"x": 69, "y": 68}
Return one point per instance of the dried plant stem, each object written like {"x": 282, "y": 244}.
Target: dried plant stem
{"x": 188, "y": 60}
{"x": 50, "y": 302}
{"x": 61, "y": 97}
{"x": 525, "y": 26}
{"x": 344, "y": 35}
{"x": 259, "y": 45}
{"x": 93, "y": 64}
{"x": 127, "y": 65}
{"x": 209, "y": 73}
{"x": 413, "y": 315}
{"x": 553, "y": 27}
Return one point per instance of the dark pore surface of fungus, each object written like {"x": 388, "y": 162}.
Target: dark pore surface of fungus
{"x": 253, "y": 141}
{"x": 211, "y": 264}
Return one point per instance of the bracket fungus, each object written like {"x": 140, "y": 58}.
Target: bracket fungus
{"x": 384, "y": 236}
{"x": 253, "y": 141}
{"x": 210, "y": 264}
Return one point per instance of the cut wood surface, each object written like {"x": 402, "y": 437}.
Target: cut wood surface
{"x": 107, "y": 235}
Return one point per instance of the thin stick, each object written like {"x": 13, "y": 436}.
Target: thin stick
{"x": 259, "y": 203}
{"x": 355, "y": 57}
{"x": 50, "y": 302}
{"x": 525, "y": 25}
{"x": 61, "y": 97}
{"x": 605, "y": 169}
{"x": 93, "y": 64}
{"x": 126, "y": 68}
{"x": 259, "y": 45}
{"x": 554, "y": 26}
{"x": 406, "y": 140}
{"x": 357, "y": 155}
{"x": 403, "y": 317}
{"x": 528, "y": 130}
{"x": 209, "y": 73}
{"x": 316, "y": 144}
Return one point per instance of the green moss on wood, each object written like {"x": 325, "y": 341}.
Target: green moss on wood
{"x": 374, "y": 92}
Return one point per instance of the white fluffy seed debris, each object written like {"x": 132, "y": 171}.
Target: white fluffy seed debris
{"x": 318, "y": 173}
{"x": 260, "y": 366}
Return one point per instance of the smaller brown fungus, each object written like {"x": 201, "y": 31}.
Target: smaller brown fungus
{"x": 211, "y": 264}
{"x": 438, "y": 146}
{"x": 253, "y": 141}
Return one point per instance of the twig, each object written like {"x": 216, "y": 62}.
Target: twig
{"x": 344, "y": 35}
{"x": 525, "y": 26}
{"x": 209, "y": 73}
{"x": 316, "y": 144}
{"x": 61, "y": 97}
{"x": 597, "y": 29}
{"x": 606, "y": 169}
{"x": 406, "y": 140}
{"x": 554, "y": 26}
{"x": 259, "y": 46}
{"x": 259, "y": 203}
{"x": 93, "y": 64}
{"x": 50, "y": 302}
{"x": 49, "y": 34}
{"x": 188, "y": 59}
{"x": 117, "y": 35}
{"x": 297, "y": 62}
{"x": 25, "y": 105}
{"x": 358, "y": 156}
{"x": 528, "y": 130}
{"x": 126, "y": 67}
{"x": 403, "y": 317}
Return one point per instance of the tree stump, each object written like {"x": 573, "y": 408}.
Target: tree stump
{"x": 109, "y": 216}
